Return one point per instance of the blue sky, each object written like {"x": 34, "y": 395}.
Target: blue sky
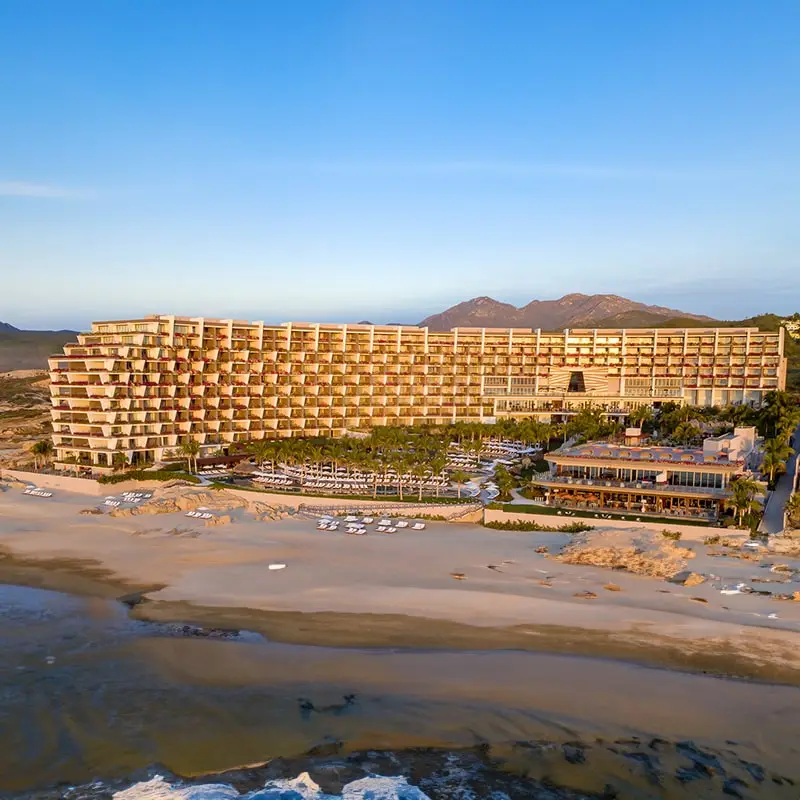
{"x": 340, "y": 160}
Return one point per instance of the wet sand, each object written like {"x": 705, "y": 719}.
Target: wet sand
{"x": 90, "y": 694}
{"x": 396, "y": 591}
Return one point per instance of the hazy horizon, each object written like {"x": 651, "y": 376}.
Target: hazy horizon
{"x": 409, "y": 317}
{"x": 358, "y": 160}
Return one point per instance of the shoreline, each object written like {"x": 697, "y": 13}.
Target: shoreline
{"x": 513, "y": 592}
{"x": 640, "y": 647}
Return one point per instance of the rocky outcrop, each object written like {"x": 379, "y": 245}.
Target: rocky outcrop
{"x": 181, "y": 499}
{"x": 221, "y": 519}
{"x": 694, "y": 579}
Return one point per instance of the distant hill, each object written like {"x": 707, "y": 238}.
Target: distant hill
{"x": 570, "y": 311}
{"x": 29, "y": 349}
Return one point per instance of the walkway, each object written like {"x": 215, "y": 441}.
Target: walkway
{"x": 772, "y": 521}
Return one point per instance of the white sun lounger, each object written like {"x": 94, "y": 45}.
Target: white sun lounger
{"x": 206, "y": 516}
{"x": 381, "y": 528}
{"x": 418, "y": 526}
{"x": 385, "y": 522}
{"x": 402, "y": 524}
{"x": 351, "y": 519}
{"x": 368, "y": 520}
{"x": 391, "y": 529}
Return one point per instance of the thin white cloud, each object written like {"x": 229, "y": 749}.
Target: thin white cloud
{"x": 40, "y": 190}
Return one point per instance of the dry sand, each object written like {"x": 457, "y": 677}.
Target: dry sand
{"x": 398, "y": 590}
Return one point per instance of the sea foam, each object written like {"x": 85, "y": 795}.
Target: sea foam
{"x": 302, "y": 787}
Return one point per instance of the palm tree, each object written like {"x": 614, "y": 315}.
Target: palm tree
{"x": 776, "y": 453}
{"x": 504, "y": 481}
{"x": 777, "y": 407}
{"x": 190, "y": 449}
{"x": 773, "y": 466}
{"x": 743, "y": 499}
{"x": 685, "y": 432}
{"x": 261, "y": 449}
{"x": 42, "y": 450}
{"x": 778, "y": 448}
{"x": 333, "y": 450}
{"x": 420, "y": 472}
{"x": 119, "y": 460}
{"x": 641, "y": 416}
{"x": 438, "y": 466}
{"x": 792, "y": 509}
{"x": 399, "y": 462}
{"x": 373, "y": 466}
{"x": 316, "y": 455}
{"x": 460, "y": 478}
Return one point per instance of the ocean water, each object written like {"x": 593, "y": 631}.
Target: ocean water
{"x": 94, "y": 704}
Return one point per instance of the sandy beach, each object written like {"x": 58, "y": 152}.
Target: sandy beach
{"x": 398, "y": 590}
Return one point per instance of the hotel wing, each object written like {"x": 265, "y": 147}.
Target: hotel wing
{"x": 141, "y": 387}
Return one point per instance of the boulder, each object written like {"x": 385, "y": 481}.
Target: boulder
{"x": 694, "y": 579}
{"x": 222, "y": 519}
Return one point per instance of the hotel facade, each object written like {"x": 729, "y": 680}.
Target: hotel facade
{"x": 142, "y": 387}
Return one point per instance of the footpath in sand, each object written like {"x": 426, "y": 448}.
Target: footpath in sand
{"x": 621, "y": 592}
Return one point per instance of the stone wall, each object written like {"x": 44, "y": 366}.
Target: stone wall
{"x": 457, "y": 512}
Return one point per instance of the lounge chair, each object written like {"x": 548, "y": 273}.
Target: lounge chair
{"x": 206, "y": 516}
{"x": 368, "y": 520}
{"x": 351, "y": 519}
{"x": 391, "y": 529}
{"x": 402, "y": 524}
{"x": 386, "y": 522}
{"x": 418, "y": 526}
{"x": 381, "y": 528}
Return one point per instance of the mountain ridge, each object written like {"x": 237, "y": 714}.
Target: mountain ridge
{"x": 20, "y": 349}
{"x": 570, "y": 311}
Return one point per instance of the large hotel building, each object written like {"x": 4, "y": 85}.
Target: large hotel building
{"x": 143, "y": 386}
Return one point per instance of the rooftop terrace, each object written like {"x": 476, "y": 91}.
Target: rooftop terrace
{"x": 662, "y": 455}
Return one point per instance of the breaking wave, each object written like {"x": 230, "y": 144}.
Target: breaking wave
{"x": 300, "y": 788}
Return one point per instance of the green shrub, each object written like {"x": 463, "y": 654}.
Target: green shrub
{"x": 576, "y": 527}
{"x": 573, "y": 527}
{"x": 145, "y": 475}
{"x": 712, "y": 539}
{"x": 674, "y": 535}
